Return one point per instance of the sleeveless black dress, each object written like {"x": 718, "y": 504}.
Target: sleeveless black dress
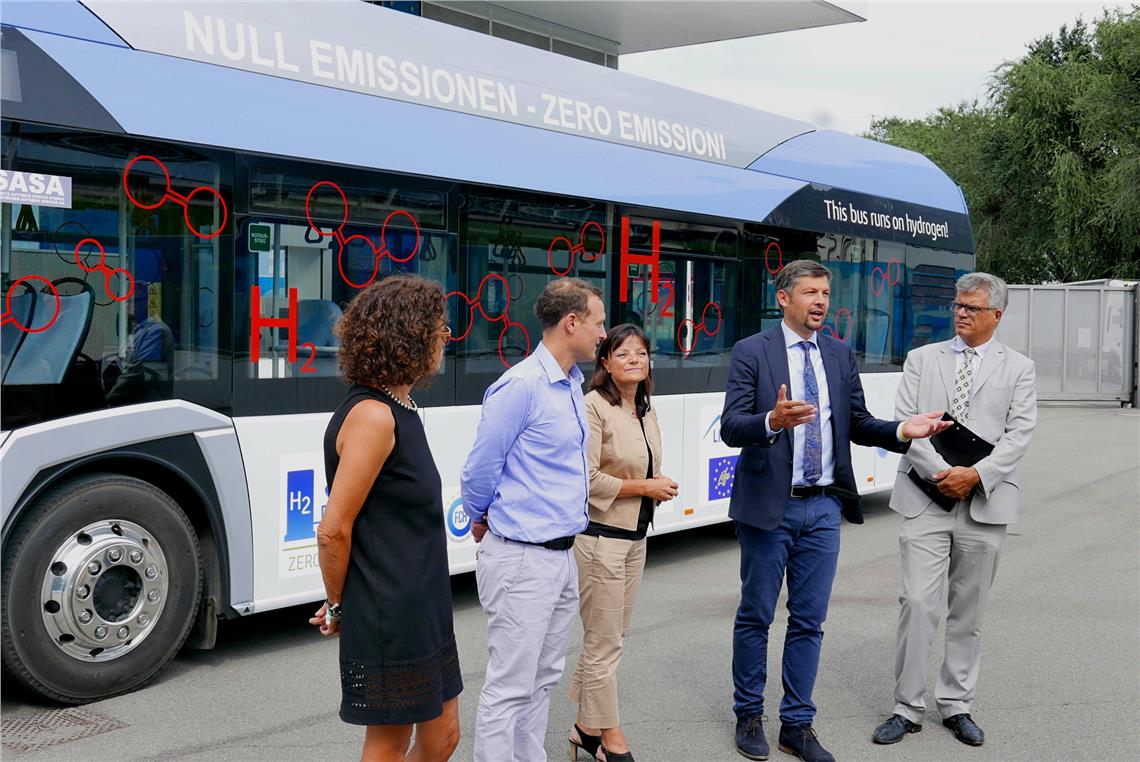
{"x": 398, "y": 661}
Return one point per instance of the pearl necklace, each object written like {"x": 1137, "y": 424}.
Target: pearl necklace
{"x": 413, "y": 407}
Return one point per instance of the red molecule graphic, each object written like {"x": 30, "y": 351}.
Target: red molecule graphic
{"x": 577, "y": 248}
{"x": 178, "y": 198}
{"x": 834, "y": 332}
{"x": 8, "y": 317}
{"x": 881, "y": 278}
{"x": 107, "y": 272}
{"x": 696, "y": 328}
{"x": 768, "y": 258}
{"x": 476, "y": 303}
{"x": 343, "y": 241}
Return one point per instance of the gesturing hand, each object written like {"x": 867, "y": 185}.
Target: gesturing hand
{"x": 789, "y": 413}
{"x": 925, "y": 425}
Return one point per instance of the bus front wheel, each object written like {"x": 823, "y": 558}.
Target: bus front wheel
{"x": 101, "y": 582}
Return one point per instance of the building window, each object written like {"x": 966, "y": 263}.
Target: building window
{"x": 577, "y": 51}
{"x": 456, "y": 18}
{"x": 521, "y": 36}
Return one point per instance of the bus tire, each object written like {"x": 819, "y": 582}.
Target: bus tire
{"x": 101, "y": 581}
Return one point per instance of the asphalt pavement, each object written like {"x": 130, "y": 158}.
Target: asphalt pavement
{"x": 1060, "y": 676}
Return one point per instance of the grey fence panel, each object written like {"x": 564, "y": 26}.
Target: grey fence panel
{"x": 1082, "y": 318}
{"x": 1083, "y": 339}
{"x": 1047, "y": 339}
{"x": 1014, "y": 326}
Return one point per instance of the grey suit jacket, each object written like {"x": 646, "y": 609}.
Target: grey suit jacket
{"x": 1003, "y": 410}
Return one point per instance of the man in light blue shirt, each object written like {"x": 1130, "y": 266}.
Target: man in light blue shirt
{"x": 525, "y": 486}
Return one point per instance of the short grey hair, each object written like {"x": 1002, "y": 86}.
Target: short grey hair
{"x": 800, "y": 268}
{"x": 994, "y": 287}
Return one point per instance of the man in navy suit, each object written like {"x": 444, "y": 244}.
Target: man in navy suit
{"x": 793, "y": 480}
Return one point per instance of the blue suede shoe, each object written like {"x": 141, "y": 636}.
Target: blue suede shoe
{"x": 801, "y": 741}
{"x": 750, "y": 740}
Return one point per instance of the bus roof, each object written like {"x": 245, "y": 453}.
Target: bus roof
{"x": 317, "y": 87}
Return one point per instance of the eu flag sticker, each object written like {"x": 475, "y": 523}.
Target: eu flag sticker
{"x": 721, "y": 471}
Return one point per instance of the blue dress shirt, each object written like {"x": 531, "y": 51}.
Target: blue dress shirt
{"x": 527, "y": 471}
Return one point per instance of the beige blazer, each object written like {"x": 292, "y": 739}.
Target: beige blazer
{"x": 1003, "y": 410}
{"x": 617, "y": 452}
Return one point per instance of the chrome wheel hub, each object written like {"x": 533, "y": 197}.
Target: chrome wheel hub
{"x": 103, "y": 590}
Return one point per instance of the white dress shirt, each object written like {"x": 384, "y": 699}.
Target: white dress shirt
{"x": 797, "y": 391}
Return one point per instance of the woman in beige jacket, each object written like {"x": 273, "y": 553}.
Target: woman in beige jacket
{"x": 625, "y": 486}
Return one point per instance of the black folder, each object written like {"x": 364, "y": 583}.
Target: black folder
{"x": 958, "y": 446}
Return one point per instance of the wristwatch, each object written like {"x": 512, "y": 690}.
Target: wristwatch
{"x": 332, "y": 611}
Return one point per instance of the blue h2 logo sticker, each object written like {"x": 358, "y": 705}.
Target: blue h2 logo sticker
{"x": 300, "y": 523}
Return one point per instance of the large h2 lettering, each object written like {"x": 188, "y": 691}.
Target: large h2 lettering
{"x": 299, "y": 520}
{"x": 257, "y": 321}
{"x": 653, "y": 260}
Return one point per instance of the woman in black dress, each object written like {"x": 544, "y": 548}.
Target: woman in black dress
{"x": 383, "y": 554}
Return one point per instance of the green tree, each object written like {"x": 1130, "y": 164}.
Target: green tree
{"x": 1050, "y": 164}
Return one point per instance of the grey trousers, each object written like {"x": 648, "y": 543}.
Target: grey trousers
{"x": 530, "y": 595}
{"x": 934, "y": 546}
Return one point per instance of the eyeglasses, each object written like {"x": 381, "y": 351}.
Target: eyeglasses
{"x": 970, "y": 309}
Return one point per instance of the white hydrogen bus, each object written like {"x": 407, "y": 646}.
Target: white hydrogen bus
{"x": 193, "y": 193}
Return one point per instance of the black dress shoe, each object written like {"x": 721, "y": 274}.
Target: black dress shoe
{"x": 893, "y": 730}
{"x": 750, "y": 740}
{"x": 965, "y": 729}
{"x": 801, "y": 741}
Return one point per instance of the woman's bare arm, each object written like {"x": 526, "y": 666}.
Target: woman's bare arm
{"x": 364, "y": 443}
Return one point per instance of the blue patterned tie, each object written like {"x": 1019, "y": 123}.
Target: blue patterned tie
{"x": 813, "y": 439}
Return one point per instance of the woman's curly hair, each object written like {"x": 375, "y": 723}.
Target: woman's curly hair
{"x": 389, "y": 334}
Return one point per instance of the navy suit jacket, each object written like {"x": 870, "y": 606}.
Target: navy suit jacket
{"x": 763, "y": 481}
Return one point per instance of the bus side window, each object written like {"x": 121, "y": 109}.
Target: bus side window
{"x": 124, "y": 285}
{"x": 511, "y": 245}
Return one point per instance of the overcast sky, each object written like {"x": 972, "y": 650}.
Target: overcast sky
{"x": 906, "y": 59}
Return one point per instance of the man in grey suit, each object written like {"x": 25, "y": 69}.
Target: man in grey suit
{"x": 989, "y": 388}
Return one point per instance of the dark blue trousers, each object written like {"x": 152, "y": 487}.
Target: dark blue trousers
{"x": 805, "y": 546}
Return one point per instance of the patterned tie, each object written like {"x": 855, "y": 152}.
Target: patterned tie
{"x": 963, "y": 380}
{"x": 813, "y": 440}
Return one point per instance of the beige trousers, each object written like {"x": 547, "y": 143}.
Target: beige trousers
{"x": 939, "y": 546}
{"x": 609, "y": 577}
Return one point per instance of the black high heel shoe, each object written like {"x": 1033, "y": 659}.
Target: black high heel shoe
{"x": 616, "y": 756}
{"x": 585, "y": 742}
